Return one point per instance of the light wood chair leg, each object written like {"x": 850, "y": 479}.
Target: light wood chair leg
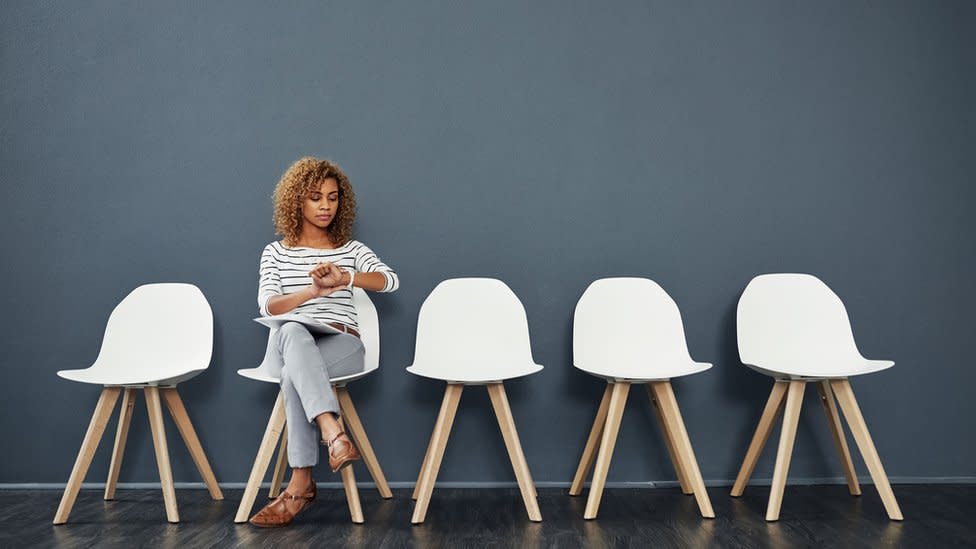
{"x": 280, "y": 466}
{"x": 352, "y": 494}
{"x": 183, "y": 424}
{"x": 531, "y": 484}
{"x": 664, "y": 394}
{"x": 352, "y": 491}
{"x": 121, "y": 435}
{"x": 452, "y": 396}
{"x": 96, "y": 427}
{"x": 845, "y": 396}
{"x": 791, "y": 417}
{"x": 155, "y": 408}
{"x": 430, "y": 449}
{"x": 269, "y": 441}
{"x": 774, "y": 405}
{"x": 592, "y": 443}
{"x": 669, "y": 440}
{"x": 840, "y": 441}
{"x": 506, "y": 422}
{"x": 355, "y": 427}
{"x": 618, "y": 399}
{"x": 426, "y": 462}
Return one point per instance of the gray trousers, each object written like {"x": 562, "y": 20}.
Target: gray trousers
{"x": 307, "y": 363}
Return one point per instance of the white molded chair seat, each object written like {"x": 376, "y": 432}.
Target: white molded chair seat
{"x": 670, "y": 371}
{"x": 793, "y": 328}
{"x": 112, "y": 379}
{"x": 801, "y": 370}
{"x": 629, "y": 330}
{"x": 477, "y": 377}
{"x": 369, "y": 332}
{"x": 473, "y": 331}
{"x": 158, "y": 336}
{"x": 261, "y": 374}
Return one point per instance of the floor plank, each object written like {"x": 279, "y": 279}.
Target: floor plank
{"x": 821, "y": 516}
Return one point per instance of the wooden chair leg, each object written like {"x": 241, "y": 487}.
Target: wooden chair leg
{"x": 618, "y": 399}
{"x": 352, "y": 491}
{"x": 358, "y": 432}
{"x": 774, "y": 405}
{"x": 121, "y": 435}
{"x": 430, "y": 450}
{"x": 840, "y": 441}
{"x": 96, "y": 427}
{"x": 664, "y": 395}
{"x": 352, "y": 494}
{"x": 452, "y": 396}
{"x": 426, "y": 462}
{"x": 506, "y": 422}
{"x": 276, "y": 424}
{"x": 430, "y": 447}
{"x": 280, "y": 466}
{"x": 592, "y": 443}
{"x": 531, "y": 483}
{"x": 791, "y": 416}
{"x": 183, "y": 424}
{"x": 669, "y": 440}
{"x": 155, "y": 408}
{"x": 845, "y": 396}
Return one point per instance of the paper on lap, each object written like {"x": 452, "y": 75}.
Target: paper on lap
{"x": 314, "y": 326}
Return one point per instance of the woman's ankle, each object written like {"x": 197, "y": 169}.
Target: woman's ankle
{"x": 302, "y": 488}
{"x": 329, "y": 436}
{"x": 329, "y": 425}
{"x": 300, "y": 482}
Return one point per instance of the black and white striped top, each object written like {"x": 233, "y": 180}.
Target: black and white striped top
{"x": 285, "y": 271}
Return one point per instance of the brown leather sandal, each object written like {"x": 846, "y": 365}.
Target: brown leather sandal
{"x": 341, "y": 452}
{"x": 276, "y": 513}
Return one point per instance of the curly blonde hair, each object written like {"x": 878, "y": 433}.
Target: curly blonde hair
{"x": 303, "y": 176}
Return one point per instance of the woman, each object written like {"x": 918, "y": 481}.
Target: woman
{"x": 312, "y": 271}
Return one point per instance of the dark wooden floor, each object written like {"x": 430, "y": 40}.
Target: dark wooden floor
{"x": 812, "y": 516}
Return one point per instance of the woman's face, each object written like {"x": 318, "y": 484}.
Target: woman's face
{"x": 321, "y": 203}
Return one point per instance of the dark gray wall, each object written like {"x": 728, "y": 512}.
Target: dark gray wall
{"x": 546, "y": 144}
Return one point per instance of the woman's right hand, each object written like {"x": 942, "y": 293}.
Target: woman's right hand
{"x": 326, "y": 279}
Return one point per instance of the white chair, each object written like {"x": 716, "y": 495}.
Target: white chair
{"x": 793, "y": 328}
{"x": 473, "y": 331}
{"x": 158, "y": 336}
{"x": 626, "y": 331}
{"x": 369, "y": 331}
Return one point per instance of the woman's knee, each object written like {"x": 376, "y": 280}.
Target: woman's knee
{"x": 286, "y": 383}
{"x": 292, "y": 331}
{"x": 352, "y": 363}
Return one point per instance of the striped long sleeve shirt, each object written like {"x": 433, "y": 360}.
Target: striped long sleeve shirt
{"x": 285, "y": 270}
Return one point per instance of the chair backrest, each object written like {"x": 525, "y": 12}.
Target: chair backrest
{"x": 164, "y": 330}
{"x": 791, "y": 322}
{"x": 369, "y": 328}
{"x": 472, "y": 326}
{"x": 626, "y": 327}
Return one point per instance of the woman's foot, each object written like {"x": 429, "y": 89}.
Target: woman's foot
{"x": 342, "y": 452}
{"x": 284, "y": 508}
